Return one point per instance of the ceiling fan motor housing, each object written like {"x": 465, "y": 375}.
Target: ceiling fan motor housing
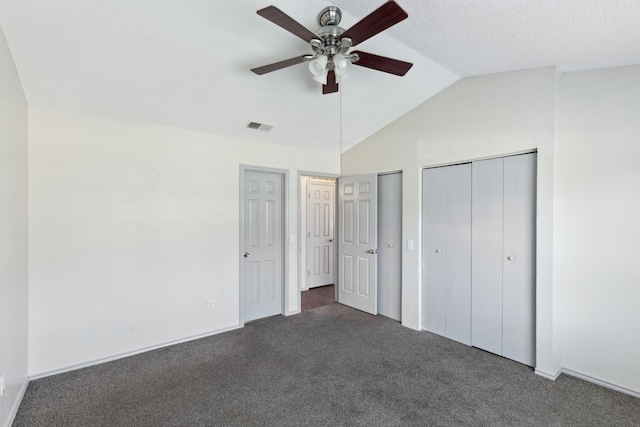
{"x": 330, "y": 16}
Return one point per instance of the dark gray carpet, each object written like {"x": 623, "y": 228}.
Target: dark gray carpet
{"x": 328, "y": 366}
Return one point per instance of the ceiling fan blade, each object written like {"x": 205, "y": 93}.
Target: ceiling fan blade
{"x": 377, "y": 21}
{"x": 332, "y": 84}
{"x": 278, "y": 65}
{"x": 283, "y": 20}
{"x": 382, "y": 63}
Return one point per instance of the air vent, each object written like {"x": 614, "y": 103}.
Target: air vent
{"x": 259, "y": 126}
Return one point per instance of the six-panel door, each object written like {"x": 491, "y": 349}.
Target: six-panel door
{"x": 320, "y": 233}
{"x": 357, "y": 285}
{"x": 262, "y": 256}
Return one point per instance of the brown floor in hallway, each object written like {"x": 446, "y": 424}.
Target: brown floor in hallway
{"x": 317, "y": 297}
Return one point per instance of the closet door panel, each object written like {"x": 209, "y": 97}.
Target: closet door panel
{"x": 486, "y": 250}
{"x": 458, "y": 253}
{"x": 390, "y": 245}
{"x": 433, "y": 249}
{"x": 519, "y": 259}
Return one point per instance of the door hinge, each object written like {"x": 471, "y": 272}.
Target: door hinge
{"x": 308, "y": 272}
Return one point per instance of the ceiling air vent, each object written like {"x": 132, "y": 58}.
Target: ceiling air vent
{"x": 259, "y": 126}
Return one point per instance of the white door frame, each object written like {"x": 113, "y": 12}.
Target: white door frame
{"x": 302, "y": 240}
{"x": 285, "y": 232}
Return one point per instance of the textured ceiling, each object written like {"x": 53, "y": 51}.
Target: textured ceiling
{"x": 185, "y": 63}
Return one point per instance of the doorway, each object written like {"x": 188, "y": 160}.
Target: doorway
{"x": 317, "y": 249}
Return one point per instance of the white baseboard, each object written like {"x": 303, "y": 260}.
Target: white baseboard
{"x": 548, "y": 375}
{"x": 602, "y": 383}
{"x": 554, "y": 376}
{"x": 128, "y": 354}
{"x": 16, "y": 404}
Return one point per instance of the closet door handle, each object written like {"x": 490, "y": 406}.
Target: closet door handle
{"x": 510, "y": 258}
{"x": 438, "y": 251}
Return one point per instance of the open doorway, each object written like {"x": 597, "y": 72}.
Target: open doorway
{"x": 317, "y": 242}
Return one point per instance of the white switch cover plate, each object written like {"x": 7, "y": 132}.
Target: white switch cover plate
{"x": 410, "y": 245}
{"x": 2, "y": 385}
{"x": 211, "y": 304}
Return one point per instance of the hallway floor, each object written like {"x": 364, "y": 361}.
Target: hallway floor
{"x": 317, "y": 297}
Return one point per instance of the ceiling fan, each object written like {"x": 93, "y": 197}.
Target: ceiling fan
{"x": 331, "y": 58}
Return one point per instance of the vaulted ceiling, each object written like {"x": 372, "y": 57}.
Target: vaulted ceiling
{"x": 185, "y": 63}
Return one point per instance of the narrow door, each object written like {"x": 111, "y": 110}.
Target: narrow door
{"x": 486, "y": 252}
{"x": 434, "y": 202}
{"x": 358, "y": 207}
{"x": 458, "y": 254}
{"x": 447, "y": 251}
{"x": 518, "y": 330}
{"x": 262, "y": 245}
{"x": 320, "y": 233}
{"x": 390, "y": 245}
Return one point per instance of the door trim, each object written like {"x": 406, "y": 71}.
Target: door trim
{"x": 285, "y": 241}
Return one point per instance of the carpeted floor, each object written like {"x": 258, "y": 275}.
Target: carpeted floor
{"x": 328, "y": 366}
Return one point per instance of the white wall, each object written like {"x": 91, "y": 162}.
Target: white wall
{"x": 13, "y": 235}
{"x": 599, "y": 176}
{"x": 474, "y": 118}
{"x": 133, "y": 228}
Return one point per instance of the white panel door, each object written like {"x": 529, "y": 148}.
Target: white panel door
{"x": 518, "y": 290}
{"x": 390, "y": 245}
{"x": 358, "y": 208}
{"x": 434, "y": 196}
{"x": 457, "y": 255}
{"x": 320, "y": 233}
{"x": 262, "y": 256}
{"x": 486, "y": 271}
{"x": 446, "y": 225}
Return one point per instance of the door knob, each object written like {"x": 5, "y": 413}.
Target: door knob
{"x": 330, "y": 240}
{"x": 246, "y": 255}
{"x": 510, "y": 258}
{"x": 372, "y": 251}
{"x": 438, "y": 251}
{"x": 390, "y": 245}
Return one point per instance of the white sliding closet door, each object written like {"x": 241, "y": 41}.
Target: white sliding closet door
{"x": 487, "y": 255}
{"x": 434, "y": 195}
{"x": 503, "y": 257}
{"x": 518, "y": 275}
{"x": 447, "y": 251}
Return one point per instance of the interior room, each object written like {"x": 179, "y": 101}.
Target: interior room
{"x": 130, "y": 133}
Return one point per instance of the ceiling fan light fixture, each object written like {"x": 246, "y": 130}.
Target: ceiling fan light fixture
{"x": 318, "y": 68}
{"x": 341, "y": 65}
